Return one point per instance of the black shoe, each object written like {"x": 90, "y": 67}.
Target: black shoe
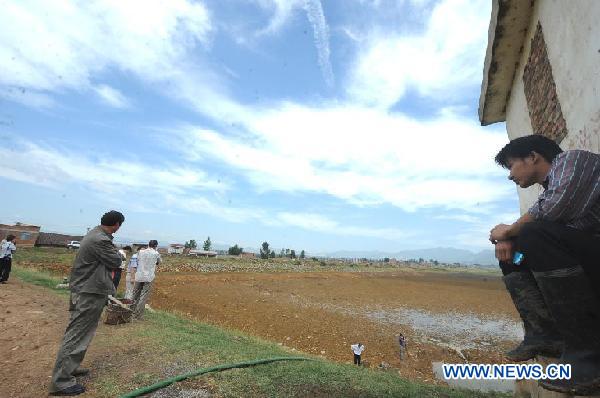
{"x": 568, "y": 387}
{"x": 576, "y": 309}
{"x": 528, "y": 350}
{"x": 541, "y": 335}
{"x": 70, "y": 391}
{"x": 81, "y": 372}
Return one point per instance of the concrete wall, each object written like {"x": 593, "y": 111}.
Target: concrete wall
{"x": 572, "y": 37}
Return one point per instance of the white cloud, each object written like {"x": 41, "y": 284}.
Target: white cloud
{"x": 319, "y": 223}
{"x": 316, "y": 17}
{"x": 439, "y": 62}
{"x": 156, "y": 188}
{"x": 363, "y": 156}
{"x": 47, "y": 47}
{"x": 45, "y": 166}
{"x": 112, "y": 96}
{"x": 285, "y": 9}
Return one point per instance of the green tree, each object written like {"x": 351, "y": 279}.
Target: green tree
{"x": 207, "y": 244}
{"x": 273, "y": 254}
{"x": 282, "y": 253}
{"x": 191, "y": 244}
{"x": 264, "y": 250}
{"x": 302, "y": 254}
{"x": 287, "y": 252}
{"x": 235, "y": 250}
{"x": 292, "y": 253}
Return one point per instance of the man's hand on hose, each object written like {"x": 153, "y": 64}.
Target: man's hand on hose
{"x": 505, "y": 249}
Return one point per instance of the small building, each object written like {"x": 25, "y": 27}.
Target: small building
{"x": 175, "y": 248}
{"x": 50, "y": 239}
{"x": 26, "y": 235}
{"x": 247, "y": 255}
{"x": 541, "y": 74}
{"x": 202, "y": 253}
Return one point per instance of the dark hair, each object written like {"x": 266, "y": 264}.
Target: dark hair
{"x": 153, "y": 243}
{"x": 521, "y": 147}
{"x": 10, "y": 237}
{"x": 128, "y": 248}
{"x": 111, "y": 218}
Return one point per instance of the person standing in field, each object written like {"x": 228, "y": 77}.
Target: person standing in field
{"x": 130, "y": 277}
{"x": 147, "y": 261}
{"x": 7, "y": 248}
{"x": 119, "y": 271}
{"x": 402, "y": 345}
{"x": 357, "y": 349}
{"x": 91, "y": 284}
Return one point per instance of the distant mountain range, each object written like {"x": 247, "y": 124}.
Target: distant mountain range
{"x": 441, "y": 254}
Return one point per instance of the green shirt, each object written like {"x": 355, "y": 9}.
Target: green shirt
{"x": 96, "y": 258}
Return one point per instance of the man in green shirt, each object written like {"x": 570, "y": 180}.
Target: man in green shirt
{"x": 90, "y": 284}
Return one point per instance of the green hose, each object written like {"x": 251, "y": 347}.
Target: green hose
{"x": 198, "y": 372}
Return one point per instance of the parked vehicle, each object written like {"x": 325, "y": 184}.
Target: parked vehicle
{"x": 74, "y": 244}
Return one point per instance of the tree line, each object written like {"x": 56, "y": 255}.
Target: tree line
{"x": 235, "y": 250}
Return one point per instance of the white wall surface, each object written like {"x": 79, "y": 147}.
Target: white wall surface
{"x": 572, "y": 35}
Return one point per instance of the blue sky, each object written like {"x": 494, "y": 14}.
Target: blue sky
{"x": 316, "y": 125}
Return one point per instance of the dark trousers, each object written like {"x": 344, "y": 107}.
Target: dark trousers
{"x": 548, "y": 246}
{"x": 116, "y": 278}
{"x": 356, "y": 359}
{"x": 5, "y": 266}
{"x": 85, "y": 310}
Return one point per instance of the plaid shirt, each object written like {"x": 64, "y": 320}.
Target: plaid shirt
{"x": 572, "y": 191}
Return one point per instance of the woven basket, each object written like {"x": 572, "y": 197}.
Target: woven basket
{"x": 115, "y": 314}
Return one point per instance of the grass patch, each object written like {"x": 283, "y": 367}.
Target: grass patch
{"x": 206, "y": 345}
{"x": 44, "y": 255}
{"x": 39, "y": 278}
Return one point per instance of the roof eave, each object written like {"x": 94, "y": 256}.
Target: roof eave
{"x": 509, "y": 22}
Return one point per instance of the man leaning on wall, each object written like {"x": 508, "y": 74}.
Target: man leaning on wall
{"x": 90, "y": 285}
{"x": 554, "y": 284}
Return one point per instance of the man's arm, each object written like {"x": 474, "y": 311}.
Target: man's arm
{"x": 505, "y": 232}
{"x": 107, "y": 254}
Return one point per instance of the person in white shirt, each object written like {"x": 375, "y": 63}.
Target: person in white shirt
{"x": 357, "y": 349}
{"x": 147, "y": 261}
{"x": 130, "y": 277}
{"x": 7, "y": 248}
{"x": 117, "y": 273}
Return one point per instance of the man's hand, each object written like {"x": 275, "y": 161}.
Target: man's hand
{"x": 500, "y": 232}
{"x": 505, "y": 250}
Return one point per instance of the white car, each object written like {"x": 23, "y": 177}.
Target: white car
{"x": 74, "y": 244}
